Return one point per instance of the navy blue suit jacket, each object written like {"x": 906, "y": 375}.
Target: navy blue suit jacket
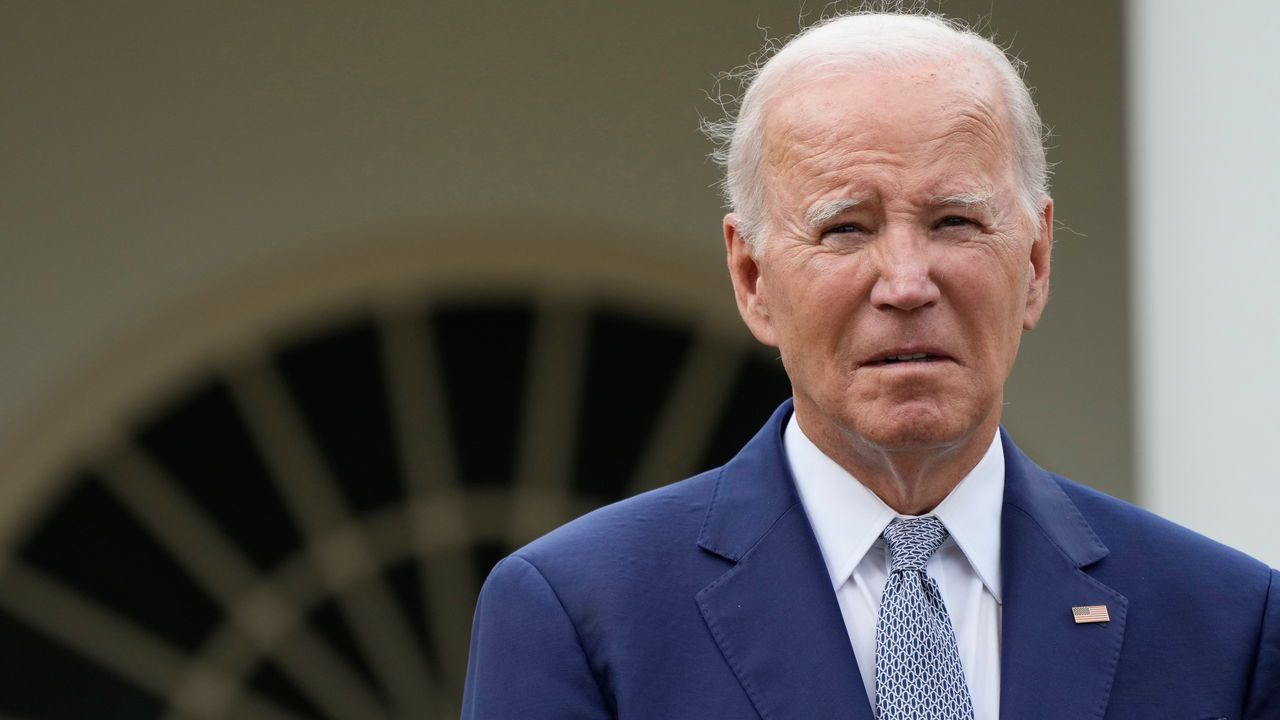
{"x": 709, "y": 599}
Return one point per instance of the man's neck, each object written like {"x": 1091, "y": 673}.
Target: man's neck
{"x": 911, "y": 481}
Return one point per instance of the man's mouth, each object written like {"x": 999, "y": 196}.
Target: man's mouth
{"x": 907, "y": 358}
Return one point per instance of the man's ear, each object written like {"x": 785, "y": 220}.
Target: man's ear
{"x": 1038, "y": 281}
{"x": 748, "y": 282}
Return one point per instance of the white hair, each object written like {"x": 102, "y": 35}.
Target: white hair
{"x": 843, "y": 43}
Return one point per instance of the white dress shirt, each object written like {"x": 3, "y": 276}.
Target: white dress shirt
{"x": 848, "y": 518}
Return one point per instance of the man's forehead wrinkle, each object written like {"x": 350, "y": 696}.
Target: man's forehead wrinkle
{"x": 807, "y": 139}
{"x": 824, "y": 142}
{"x": 985, "y": 126}
{"x": 791, "y": 159}
{"x": 849, "y": 139}
{"x": 824, "y": 167}
{"x": 828, "y": 142}
{"x": 982, "y": 142}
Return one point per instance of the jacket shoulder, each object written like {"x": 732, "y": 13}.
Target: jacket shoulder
{"x": 1206, "y": 615}
{"x": 1129, "y": 531}
{"x": 661, "y": 524}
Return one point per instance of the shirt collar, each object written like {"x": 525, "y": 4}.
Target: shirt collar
{"x": 847, "y": 518}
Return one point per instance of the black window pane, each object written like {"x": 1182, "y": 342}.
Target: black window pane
{"x": 328, "y": 620}
{"x": 203, "y": 445}
{"x": 760, "y": 387}
{"x": 338, "y": 380}
{"x": 269, "y": 681}
{"x": 484, "y": 352}
{"x": 93, "y": 544}
{"x": 404, "y": 579}
{"x": 40, "y": 678}
{"x": 632, "y": 364}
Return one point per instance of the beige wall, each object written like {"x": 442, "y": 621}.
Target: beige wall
{"x": 158, "y": 152}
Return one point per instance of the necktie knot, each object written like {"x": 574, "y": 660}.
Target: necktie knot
{"x": 912, "y": 541}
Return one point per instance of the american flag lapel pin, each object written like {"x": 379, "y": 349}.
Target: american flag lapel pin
{"x": 1090, "y": 614}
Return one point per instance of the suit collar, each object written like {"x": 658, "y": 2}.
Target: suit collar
{"x": 755, "y": 488}
{"x": 1033, "y": 492}
{"x": 774, "y": 613}
{"x": 1052, "y": 668}
{"x": 753, "y": 491}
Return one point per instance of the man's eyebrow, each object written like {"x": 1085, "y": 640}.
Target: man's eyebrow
{"x": 821, "y": 212}
{"x": 982, "y": 200}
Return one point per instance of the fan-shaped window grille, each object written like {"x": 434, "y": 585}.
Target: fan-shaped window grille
{"x": 302, "y": 534}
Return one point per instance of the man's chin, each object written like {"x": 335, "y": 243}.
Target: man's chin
{"x": 911, "y": 440}
{"x": 906, "y": 431}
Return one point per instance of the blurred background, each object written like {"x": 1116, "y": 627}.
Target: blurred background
{"x": 310, "y": 312}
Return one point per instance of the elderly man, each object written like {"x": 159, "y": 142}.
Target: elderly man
{"x": 881, "y": 548}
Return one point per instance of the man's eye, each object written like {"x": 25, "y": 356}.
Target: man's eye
{"x": 842, "y": 229}
{"x": 955, "y": 221}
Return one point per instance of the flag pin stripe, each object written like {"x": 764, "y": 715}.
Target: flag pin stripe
{"x": 1090, "y": 614}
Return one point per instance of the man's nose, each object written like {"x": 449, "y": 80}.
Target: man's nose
{"x": 905, "y": 279}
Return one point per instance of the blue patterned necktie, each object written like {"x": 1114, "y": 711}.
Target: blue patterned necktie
{"x": 918, "y": 673}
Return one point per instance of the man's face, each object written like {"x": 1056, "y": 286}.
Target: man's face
{"x": 898, "y": 268}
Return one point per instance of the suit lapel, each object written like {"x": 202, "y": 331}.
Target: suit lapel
{"x": 1052, "y": 668}
{"x": 774, "y": 614}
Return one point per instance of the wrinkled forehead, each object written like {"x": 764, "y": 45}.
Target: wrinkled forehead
{"x": 946, "y": 107}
